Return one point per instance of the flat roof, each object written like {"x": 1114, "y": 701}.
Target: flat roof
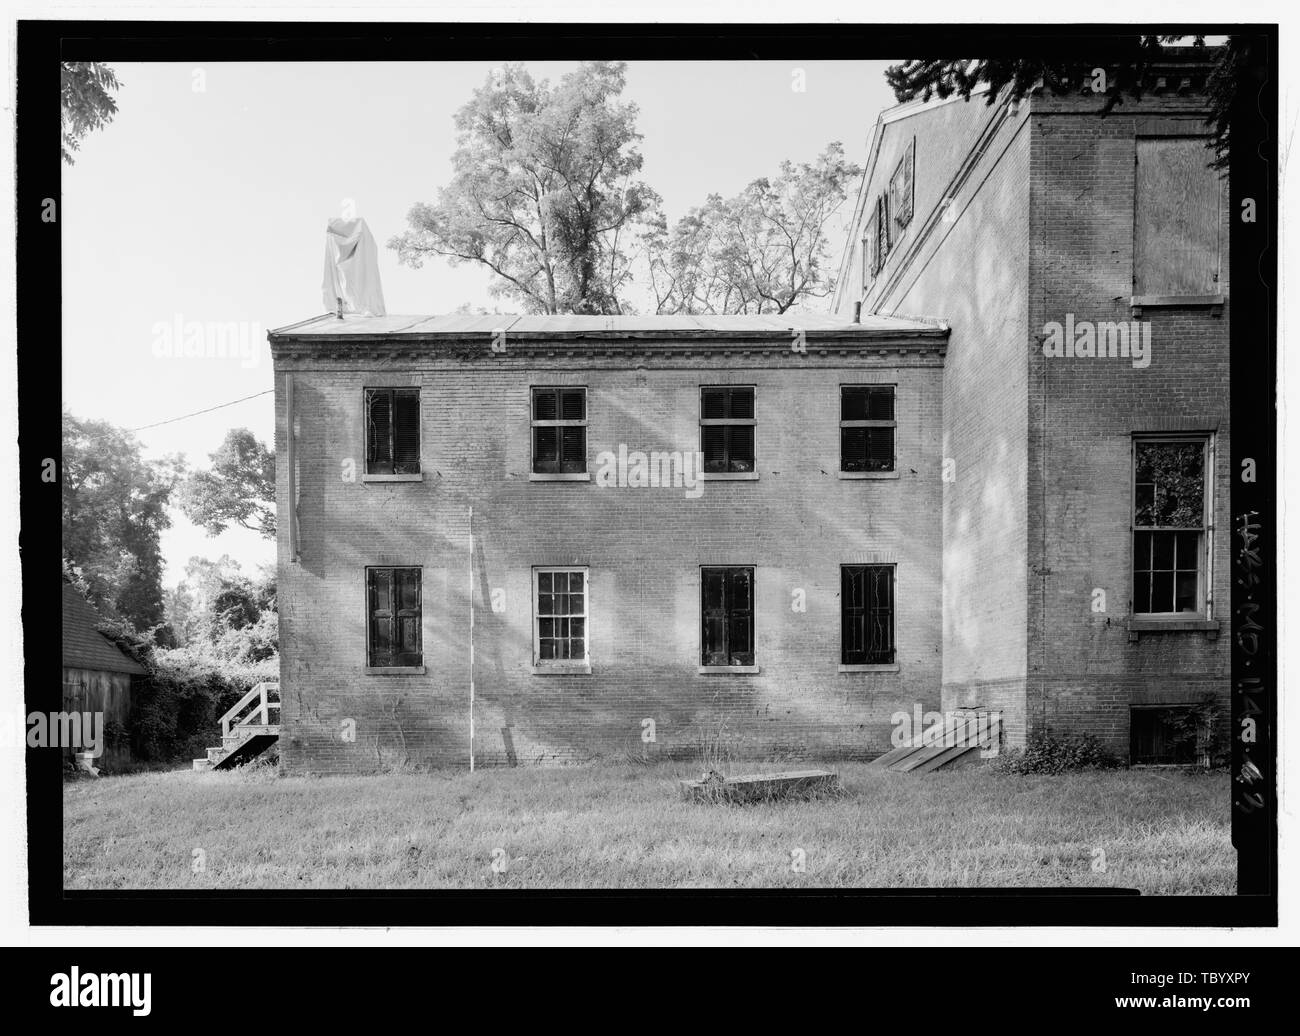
{"x": 767, "y": 325}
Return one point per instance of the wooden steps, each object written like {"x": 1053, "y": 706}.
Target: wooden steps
{"x": 246, "y": 729}
{"x": 978, "y": 733}
{"x": 759, "y": 786}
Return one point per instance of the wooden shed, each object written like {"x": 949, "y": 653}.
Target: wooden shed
{"x": 96, "y": 674}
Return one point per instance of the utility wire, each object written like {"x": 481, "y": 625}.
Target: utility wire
{"x": 208, "y": 410}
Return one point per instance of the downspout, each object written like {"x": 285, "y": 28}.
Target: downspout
{"x": 291, "y": 448}
{"x": 471, "y": 640}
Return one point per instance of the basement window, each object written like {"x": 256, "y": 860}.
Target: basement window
{"x": 560, "y": 603}
{"x": 867, "y": 614}
{"x": 560, "y": 431}
{"x": 867, "y": 428}
{"x": 392, "y": 431}
{"x": 1170, "y": 559}
{"x": 727, "y": 613}
{"x": 1167, "y": 735}
{"x": 394, "y": 616}
{"x": 727, "y": 430}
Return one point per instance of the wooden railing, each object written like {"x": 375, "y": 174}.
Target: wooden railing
{"x": 259, "y": 697}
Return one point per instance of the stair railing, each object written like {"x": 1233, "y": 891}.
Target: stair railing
{"x": 260, "y": 715}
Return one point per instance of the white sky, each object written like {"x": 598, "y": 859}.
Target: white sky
{"x": 212, "y": 206}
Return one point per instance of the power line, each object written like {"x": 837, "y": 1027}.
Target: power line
{"x": 208, "y": 410}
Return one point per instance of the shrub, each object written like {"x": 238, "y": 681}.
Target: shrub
{"x": 1055, "y": 753}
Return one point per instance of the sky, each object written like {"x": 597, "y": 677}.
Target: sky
{"x": 206, "y": 198}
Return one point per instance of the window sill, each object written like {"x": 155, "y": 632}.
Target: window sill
{"x": 394, "y": 670}
{"x": 559, "y": 476}
{"x": 1141, "y": 302}
{"x": 416, "y": 477}
{"x": 561, "y": 670}
{"x": 729, "y": 476}
{"x": 887, "y": 667}
{"x": 730, "y": 670}
{"x": 868, "y": 474}
{"x": 1137, "y": 625}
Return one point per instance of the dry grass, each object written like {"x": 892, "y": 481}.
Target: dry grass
{"x": 625, "y": 827}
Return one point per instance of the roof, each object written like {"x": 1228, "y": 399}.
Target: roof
{"x": 767, "y": 325}
{"x": 84, "y": 647}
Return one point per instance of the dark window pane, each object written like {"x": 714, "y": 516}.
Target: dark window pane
{"x": 1185, "y": 590}
{"x": 545, "y": 405}
{"x": 1175, "y": 471}
{"x": 1142, "y": 591}
{"x": 1142, "y": 550}
{"x": 546, "y": 449}
{"x": 573, "y": 404}
{"x": 1187, "y": 550}
{"x": 576, "y": 580}
{"x": 853, "y": 404}
{"x": 1162, "y": 591}
{"x": 880, "y": 449}
{"x": 853, "y": 449}
{"x": 406, "y": 431}
{"x": 546, "y": 648}
{"x": 740, "y": 448}
{"x": 379, "y": 432}
{"x": 741, "y": 402}
{"x": 573, "y": 448}
{"x": 714, "y": 443}
{"x": 880, "y": 404}
{"x": 713, "y": 403}
{"x": 544, "y": 582}
{"x": 1163, "y": 551}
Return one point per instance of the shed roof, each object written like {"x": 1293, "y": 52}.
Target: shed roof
{"x": 84, "y": 647}
{"x": 610, "y": 327}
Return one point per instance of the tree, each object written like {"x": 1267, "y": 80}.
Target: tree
{"x": 238, "y": 489}
{"x": 114, "y": 508}
{"x": 763, "y": 251}
{"x": 544, "y": 193}
{"x": 1127, "y": 63}
{"x": 85, "y": 102}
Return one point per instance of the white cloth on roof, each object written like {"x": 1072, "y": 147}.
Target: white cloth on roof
{"x": 352, "y": 269}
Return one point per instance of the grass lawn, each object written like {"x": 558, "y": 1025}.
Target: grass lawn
{"x": 1163, "y": 832}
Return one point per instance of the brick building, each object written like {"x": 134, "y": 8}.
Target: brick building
{"x": 995, "y": 477}
{"x": 1085, "y": 532}
{"x": 782, "y": 601}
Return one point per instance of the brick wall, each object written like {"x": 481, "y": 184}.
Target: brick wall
{"x": 643, "y": 546}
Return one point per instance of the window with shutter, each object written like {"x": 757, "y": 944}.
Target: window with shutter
{"x": 867, "y": 614}
{"x": 727, "y": 429}
{"x": 867, "y": 427}
{"x": 394, "y": 610}
{"x": 902, "y": 187}
{"x": 727, "y": 616}
{"x": 559, "y": 422}
{"x": 392, "y": 431}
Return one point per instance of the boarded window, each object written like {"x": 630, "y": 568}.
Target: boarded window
{"x": 1168, "y": 735}
{"x": 559, "y": 430}
{"x": 1168, "y": 526}
{"x": 1176, "y": 223}
{"x": 392, "y": 431}
{"x": 394, "y": 608}
{"x": 867, "y": 427}
{"x": 867, "y": 614}
{"x": 727, "y": 613}
{"x": 902, "y": 187}
{"x": 560, "y": 614}
{"x": 727, "y": 429}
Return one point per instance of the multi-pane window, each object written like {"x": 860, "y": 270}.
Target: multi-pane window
{"x": 393, "y": 609}
{"x": 867, "y": 614}
{"x": 901, "y": 187}
{"x": 1177, "y": 225}
{"x": 727, "y": 615}
{"x": 727, "y": 429}
{"x": 560, "y": 616}
{"x": 559, "y": 430}
{"x": 867, "y": 427}
{"x": 1168, "y": 525}
{"x": 392, "y": 431}
{"x": 1163, "y": 736}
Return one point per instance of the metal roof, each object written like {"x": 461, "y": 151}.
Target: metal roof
{"x": 84, "y": 647}
{"x": 542, "y": 326}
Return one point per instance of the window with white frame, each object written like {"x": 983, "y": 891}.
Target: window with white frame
{"x": 560, "y": 607}
{"x": 1170, "y": 505}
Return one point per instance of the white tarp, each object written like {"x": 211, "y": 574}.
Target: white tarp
{"x": 352, "y": 269}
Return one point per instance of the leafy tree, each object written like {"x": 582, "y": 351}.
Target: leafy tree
{"x": 1127, "y": 63}
{"x": 238, "y": 489}
{"x": 763, "y": 251}
{"x": 86, "y": 102}
{"x": 544, "y": 194}
{"x": 114, "y": 508}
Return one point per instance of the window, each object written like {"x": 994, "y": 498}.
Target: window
{"x": 867, "y": 427}
{"x": 1176, "y": 220}
{"x": 867, "y": 614}
{"x": 559, "y": 616}
{"x": 901, "y": 187}
{"x": 393, "y": 596}
{"x": 727, "y": 610}
{"x": 559, "y": 431}
{"x": 1169, "y": 525}
{"x": 392, "y": 431}
{"x": 1163, "y": 736}
{"x": 871, "y": 250}
{"x": 727, "y": 429}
